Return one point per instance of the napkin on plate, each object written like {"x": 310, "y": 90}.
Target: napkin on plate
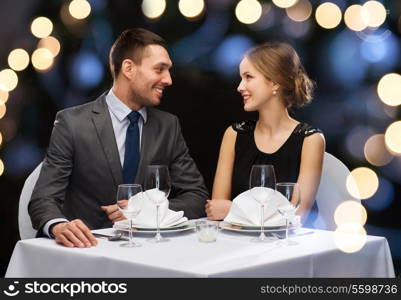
{"x": 245, "y": 210}
{"x": 146, "y": 217}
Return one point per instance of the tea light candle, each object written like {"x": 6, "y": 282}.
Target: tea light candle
{"x": 207, "y": 236}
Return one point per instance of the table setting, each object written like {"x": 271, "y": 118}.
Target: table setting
{"x": 260, "y": 237}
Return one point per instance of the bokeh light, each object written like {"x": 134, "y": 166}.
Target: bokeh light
{"x": 362, "y": 183}
{"x": 301, "y": 11}
{"x": 18, "y": 59}
{"x": 50, "y": 43}
{"x": 3, "y": 96}
{"x": 284, "y": 3}
{"x": 8, "y": 80}
{"x": 353, "y": 18}
{"x": 87, "y": 70}
{"x": 66, "y": 17}
{"x": 383, "y": 198}
{"x": 41, "y": 27}
{"x": 1, "y": 138}
{"x": 191, "y": 8}
{"x": 392, "y": 137}
{"x": 248, "y": 11}
{"x": 376, "y": 152}
{"x": 153, "y": 9}
{"x": 389, "y": 89}
{"x": 1, "y": 167}
{"x": 229, "y": 54}
{"x": 2, "y": 110}
{"x": 79, "y": 9}
{"x": 356, "y": 139}
{"x": 328, "y": 15}
{"x": 42, "y": 59}
{"x": 350, "y": 237}
{"x": 373, "y": 13}
{"x": 350, "y": 212}
{"x": 296, "y": 29}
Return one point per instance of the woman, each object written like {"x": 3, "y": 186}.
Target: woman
{"x": 272, "y": 80}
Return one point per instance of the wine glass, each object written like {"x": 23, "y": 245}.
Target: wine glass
{"x": 158, "y": 181}
{"x": 262, "y": 183}
{"x": 291, "y": 192}
{"x": 129, "y": 197}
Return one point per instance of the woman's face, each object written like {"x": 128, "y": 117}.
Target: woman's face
{"x": 255, "y": 89}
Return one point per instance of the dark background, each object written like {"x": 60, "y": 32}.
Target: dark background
{"x": 205, "y": 52}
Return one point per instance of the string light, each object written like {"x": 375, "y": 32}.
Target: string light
{"x": 50, "y": 43}
{"x": 353, "y": 18}
{"x": 41, "y": 27}
{"x": 42, "y": 59}
{"x": 389, "y": 89}
{"x": 191, "y": 8}
{"x": 248, "y": 11}
{"x": 18, "y": 59}
{"x": 392, "y": 137}
{"x": 373, "y": 13}
{"x": 153, "y": 9}
{"x": 8, "y": 80}
{"x": 362, "y": 183}
{"x": 79, "y": 9}
{"x": 284, "y": 3}
{"x": 328, "y": 15}
{"x": 301, "y": 11}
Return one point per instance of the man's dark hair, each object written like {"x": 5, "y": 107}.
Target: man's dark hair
{"x": 131, "y": 44}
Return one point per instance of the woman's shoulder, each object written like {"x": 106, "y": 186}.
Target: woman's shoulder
{"x": 244, "y": 126}
{"x": 305, "y": 129}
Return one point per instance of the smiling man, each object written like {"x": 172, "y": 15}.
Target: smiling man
{"x": 97, "y": 146}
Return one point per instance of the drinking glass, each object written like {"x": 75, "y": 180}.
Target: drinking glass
{"x": 291, "y": 192}
{"x": 262, "y": 183}
{"x": 129, "y": 197}
{"x": 158, "y": 178}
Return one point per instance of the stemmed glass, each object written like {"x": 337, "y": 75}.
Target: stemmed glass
{"x": 262, "y": 183}
{"x": 291, "y": 192}
{"x": 158, "y": 180}
{"x": 129, "y": 197}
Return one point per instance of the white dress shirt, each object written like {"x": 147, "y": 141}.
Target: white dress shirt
{"x": 118, "y": 114}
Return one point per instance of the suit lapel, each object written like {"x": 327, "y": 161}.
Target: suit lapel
{"x": 104, "y": 128}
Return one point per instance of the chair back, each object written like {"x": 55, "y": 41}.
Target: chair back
{"x": 26, "y": 230}
{"x": 332, "y": 191}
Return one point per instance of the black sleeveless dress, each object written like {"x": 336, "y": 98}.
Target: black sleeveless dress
{"x": 286, "y": 160}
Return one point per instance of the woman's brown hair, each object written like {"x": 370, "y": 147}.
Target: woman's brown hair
{"x": 280, "y": 63}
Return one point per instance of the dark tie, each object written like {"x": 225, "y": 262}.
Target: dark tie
{"x": 131, "y": 156}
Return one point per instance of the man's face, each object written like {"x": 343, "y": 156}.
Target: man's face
{"x": 151, "y": 76}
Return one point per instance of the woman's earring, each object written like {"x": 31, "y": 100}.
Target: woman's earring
{"x": 274, "y": 92}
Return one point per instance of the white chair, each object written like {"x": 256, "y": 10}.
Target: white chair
{"x": 26, "y": 230}
{"x": 332, "y": 191}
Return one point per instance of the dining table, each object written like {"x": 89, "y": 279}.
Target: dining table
{"x": 313, "y": 253}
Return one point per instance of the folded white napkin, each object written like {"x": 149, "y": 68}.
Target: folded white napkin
{"x": 147, "y": 210}
{"x": 246, "y": 210}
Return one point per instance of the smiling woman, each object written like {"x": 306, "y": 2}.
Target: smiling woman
{"x": 272, "y": 80}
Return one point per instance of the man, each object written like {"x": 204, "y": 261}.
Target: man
{"x": 97, "y": 146}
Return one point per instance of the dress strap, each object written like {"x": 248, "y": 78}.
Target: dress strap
{"x": 305, "y": 129}
{"x": 244, "y": 126}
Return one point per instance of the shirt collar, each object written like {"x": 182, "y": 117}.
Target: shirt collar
{"x": 119, "y": 109}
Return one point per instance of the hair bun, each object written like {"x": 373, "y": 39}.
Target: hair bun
{"x": 303, "y": 89}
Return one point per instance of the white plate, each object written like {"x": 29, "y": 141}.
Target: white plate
{"x": 125, "y": 223}
{"x": 176, "y": 228}
{"x": 245, "y": 228}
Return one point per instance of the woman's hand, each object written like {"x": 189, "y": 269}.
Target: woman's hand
{"x": 217, "y": 209}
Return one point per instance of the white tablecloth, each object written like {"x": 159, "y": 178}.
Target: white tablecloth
{"x": 233, "y": 255}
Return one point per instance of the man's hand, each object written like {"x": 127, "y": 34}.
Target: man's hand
{"x": 217, "y": 209}
{"x": 113, "y": 213}
{"x": 73, "y": 234}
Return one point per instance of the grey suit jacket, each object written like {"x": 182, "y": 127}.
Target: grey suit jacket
{"x": 82, "y": 169}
